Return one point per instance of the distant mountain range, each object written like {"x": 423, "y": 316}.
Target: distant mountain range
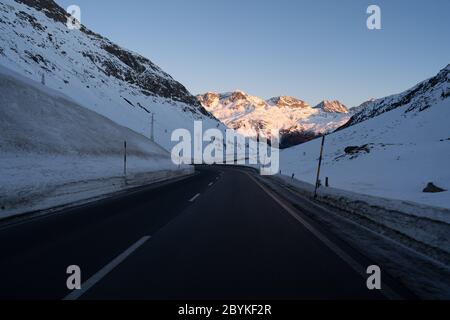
{"x": 294, "y": 119}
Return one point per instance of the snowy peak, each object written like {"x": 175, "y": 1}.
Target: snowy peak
{"x": 234, "y": 100}
{"x": 334, "y": 106}
{"x": 235, "y": 96}
{"x": 209, "y": 99}
{"x": 241, "y": 98}
{"x": 287, "y": 102}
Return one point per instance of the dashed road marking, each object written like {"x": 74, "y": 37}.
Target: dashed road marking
{"x": 195, "y": 197}
{"x": 76, "y": 294}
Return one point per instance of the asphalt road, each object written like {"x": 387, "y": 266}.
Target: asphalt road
{"x": 216, "y": 235}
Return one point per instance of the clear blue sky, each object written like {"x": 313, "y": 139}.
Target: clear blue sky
{"x": 313, "y": 50}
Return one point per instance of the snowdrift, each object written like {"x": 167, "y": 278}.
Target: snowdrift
{"x": 54, "y": 151}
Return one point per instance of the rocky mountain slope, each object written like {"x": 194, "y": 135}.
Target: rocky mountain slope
{"x": 295, "y": 119}
{"x": 98, "y": 74}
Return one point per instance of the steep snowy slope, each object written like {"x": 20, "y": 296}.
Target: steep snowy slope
{"x": 403, "y": 143}
{"x": 419, "y": 98}
{"x": 93, "y": 71}
{"x": 50, "y": 146}
{"x": 296, "y": 120}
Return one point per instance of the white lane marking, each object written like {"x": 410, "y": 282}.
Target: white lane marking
{"x": 209, "y": 185}
{"x": 195, "y": 197}
{"x": 387, "y": 291}
{"x": 76, "y": 294}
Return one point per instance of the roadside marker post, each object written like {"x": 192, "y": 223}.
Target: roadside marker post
{"x": 152, "y": 132}
{"x": 318, "y": 169}
{"x": 125, "y": 159}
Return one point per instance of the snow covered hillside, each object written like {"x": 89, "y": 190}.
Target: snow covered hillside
{"x": 95, "y": 72}
{"x": 419, "y": 98}
{"x": 296, "y": 120}
{"x": 392, "y": 147}
{"x": 54, "y": 151}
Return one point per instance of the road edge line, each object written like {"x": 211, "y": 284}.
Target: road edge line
{"x": 386, "y": 290}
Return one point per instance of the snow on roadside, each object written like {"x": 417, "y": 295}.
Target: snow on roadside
{"x": 38, "y": 182}
{"x": 424, "y": 224}
{"x": 54, "y": 151}
{"x": 420, "y": 267}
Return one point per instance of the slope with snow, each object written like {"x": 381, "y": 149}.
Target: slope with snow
{"x": 54, "y": 151}
{"x": 296, "y": 120}
{"x": 403, "y": 143}
{"x": 420, "y": 97}
{"x": 96, "y": 73}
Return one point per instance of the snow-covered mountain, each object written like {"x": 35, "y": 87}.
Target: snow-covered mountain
{"x": 96, "y": 73}
{"x": 392, "y": 147}
{"x": 295, "y": 119}
{"x": 332, "y": 107}
{"x": 419, "y": 98}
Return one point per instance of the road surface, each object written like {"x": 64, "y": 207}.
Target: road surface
{"x": 217, "y": 235}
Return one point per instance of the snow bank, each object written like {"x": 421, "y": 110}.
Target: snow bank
{"x": 412, "y": 224}
{"x": 54, "y": 151}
